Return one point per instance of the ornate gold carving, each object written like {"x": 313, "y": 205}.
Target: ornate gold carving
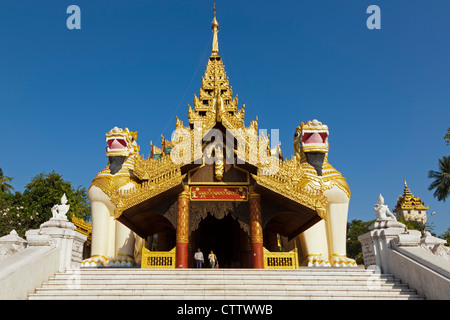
{"x": 287, "y": 181}
{"x": 158, "y": 259}
{"x": 218, "y": 165}
{"x": 210, "y": 193}
{"x": 255, "y": 218}
{"x": 330, "y": 178}
{"x": 183, "y": 218}
{"x": 281, "y": 260}
{"x": 125, "y": 199}
{"x": 219, "y": 183}
{"x": 215, "y": 102}
{"x": 147, "y": 169}
{"x": 109, "y": 183}
{"x": 239, "y": 211}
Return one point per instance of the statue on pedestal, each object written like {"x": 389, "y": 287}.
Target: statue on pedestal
{"x": 381, "y": 209}
{"x": 385, "y": 218}
{"x": 59, "y": 211}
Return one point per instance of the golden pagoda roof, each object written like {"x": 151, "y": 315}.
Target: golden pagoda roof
{"x": 215, "y": 107}
{"x": 215, "y": 102}
{"x": 409, "y": 202}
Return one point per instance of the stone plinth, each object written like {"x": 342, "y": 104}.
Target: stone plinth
{"x": 60, "y": 233}
{"x": 376, "y": 242}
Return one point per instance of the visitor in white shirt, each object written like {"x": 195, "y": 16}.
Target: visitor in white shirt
{"x": 198, "y": 257}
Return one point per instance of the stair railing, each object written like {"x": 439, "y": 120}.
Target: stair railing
{"x": 281, "y": 260}
{"x": 157, "y": 259}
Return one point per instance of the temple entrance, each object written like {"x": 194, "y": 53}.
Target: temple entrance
{"x": 226, "y": 238}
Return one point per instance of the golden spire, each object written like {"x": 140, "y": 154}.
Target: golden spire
{"x": 215, "y": 28}
{"x": 215, "y": 102}
{"x": 407, "y": 193}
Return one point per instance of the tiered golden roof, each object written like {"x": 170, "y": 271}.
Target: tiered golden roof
{"x": 215, "y": 102}
{"x": 409, "y": 202}
{"x": 215, "y": 107}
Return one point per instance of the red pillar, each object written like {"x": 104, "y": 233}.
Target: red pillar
{"x": 182, "y": 230}
{"x": 256, "y": 229}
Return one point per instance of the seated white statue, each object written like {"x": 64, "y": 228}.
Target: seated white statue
{"x": 382, "y": 210}
{"x": 59, "y": 211}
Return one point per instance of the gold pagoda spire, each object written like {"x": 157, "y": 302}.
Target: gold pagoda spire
{"x": 408, "y": 201}
{"x": 407, "y": 194}
{"x": 215, "y": 102}
{"x": 215, "y": 28}
{"x": 410, "y": 207}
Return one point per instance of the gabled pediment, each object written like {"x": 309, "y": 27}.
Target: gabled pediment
{"x": 232, "y": 174}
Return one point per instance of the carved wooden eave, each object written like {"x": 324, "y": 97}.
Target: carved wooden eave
{"x": 127, "y": 199}
{"x": 162, "y": 180}
{"x": 286, "y": 182}
{"x": 296, "y": 208}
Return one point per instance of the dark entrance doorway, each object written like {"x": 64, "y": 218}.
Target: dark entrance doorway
{"x": 225, "y": 237}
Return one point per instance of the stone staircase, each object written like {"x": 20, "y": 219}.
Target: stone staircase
{"x": 223, "y": 284}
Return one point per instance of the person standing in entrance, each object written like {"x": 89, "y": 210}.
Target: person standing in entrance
{"x": 212, "y": 259}
{"x": 198, "y": 257}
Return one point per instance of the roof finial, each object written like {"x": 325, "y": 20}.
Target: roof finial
{"x": 406, "y": 186}
{"x": 215, "y": 28}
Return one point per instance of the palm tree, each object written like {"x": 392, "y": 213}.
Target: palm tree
{"x": 5, "y": 187}
{"x": 441, "y": 180}
{"x": 447, "y": 137}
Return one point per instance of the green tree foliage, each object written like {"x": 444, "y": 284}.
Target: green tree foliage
{"x": 12, "y": 215}
{"x": 416, "y": 225}
{"x": 46, "y": 190}
{"x": 441, "y": 182}
{"x": 446, "y": 236}
{"x": 5, "y": 187}
{"x": 33, "y": 207}
{"x": 447, "y": 137}
{"x": 355, "y": 228}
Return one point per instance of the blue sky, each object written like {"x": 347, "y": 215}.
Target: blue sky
{"x": 384, "y": 94}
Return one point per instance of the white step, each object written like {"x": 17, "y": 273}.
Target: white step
{"x": 223, "y": 284}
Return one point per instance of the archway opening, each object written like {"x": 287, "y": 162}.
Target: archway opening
{"x": 225, "y": 238}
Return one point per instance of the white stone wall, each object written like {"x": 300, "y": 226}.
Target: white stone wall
{"x": 423, "y": 263}
{"x": 414, "y": 215}
{"x": 22, "y": 273}
{"x": 55, "y": 246}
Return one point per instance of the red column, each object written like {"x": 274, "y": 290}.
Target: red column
{"x": 256, "y": 229}
{"x": 182, "y": 230}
